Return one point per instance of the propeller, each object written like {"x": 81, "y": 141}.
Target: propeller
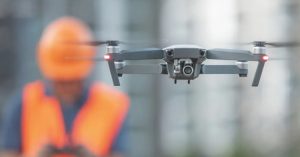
{"x": 279, "y": 58}
{"x": 97, "y": 59}
{"x": 118, "y": 42}
{"x": 104, "y": 42}
{"x": 274, "y": 44}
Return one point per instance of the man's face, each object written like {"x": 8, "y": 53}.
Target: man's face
{"x": 68, "y": 92}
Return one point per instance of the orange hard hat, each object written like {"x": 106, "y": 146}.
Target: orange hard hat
{"x": 60, "y": 54}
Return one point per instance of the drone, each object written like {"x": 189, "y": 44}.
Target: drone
{"x": 185, "y": 62}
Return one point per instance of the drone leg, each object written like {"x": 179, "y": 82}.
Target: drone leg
{"x": 189, "y": 81}
{"x": 113, "y": 72}
{"x": 258, "y": 73}
{"x": 175, "y": 81}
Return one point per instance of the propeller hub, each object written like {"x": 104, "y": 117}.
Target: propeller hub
{"x": 259, "y": 43}
{"x": 112, "y": 42}
{"x": 259, "y": 50}
{"x": 112, "y": 49}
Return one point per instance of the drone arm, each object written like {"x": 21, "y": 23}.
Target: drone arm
{"x": 144, "y": 54}
{"x": 222, "y": 69}
{"x": 240, "y": 55}
{"x": 228, "y": 54}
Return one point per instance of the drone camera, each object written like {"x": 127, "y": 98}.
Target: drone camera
{"x": 188, "y": 70}
{"x": 183, "y": 69}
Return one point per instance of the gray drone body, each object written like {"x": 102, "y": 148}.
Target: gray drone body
{"x": 184, "y": 62}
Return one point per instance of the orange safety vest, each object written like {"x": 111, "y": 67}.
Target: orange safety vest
{"x": 95, "y": 126}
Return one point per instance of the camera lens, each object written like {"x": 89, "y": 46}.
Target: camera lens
{"x": 188, "y": 70}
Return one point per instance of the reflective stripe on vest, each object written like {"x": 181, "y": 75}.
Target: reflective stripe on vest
{"x": 95, "y": 126}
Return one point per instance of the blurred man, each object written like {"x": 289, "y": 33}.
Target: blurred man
{"x": 64, "y": 114}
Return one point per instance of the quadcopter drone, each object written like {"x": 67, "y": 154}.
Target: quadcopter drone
{"x": 184, "y": 62}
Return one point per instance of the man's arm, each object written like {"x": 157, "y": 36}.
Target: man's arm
{"x": 120, "y": 144}
{"x": 10, "y": 135}
{"x": 118, "y": 148}
{"x": 9, "y": 154}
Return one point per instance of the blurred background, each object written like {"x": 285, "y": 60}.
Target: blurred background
{"x": 214, "y": 116}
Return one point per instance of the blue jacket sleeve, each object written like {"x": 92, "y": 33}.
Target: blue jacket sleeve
{"x": 10, "y": 135}
{"x": 120, "y": 143}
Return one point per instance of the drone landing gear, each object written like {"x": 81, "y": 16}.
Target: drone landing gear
{"x": 189, "y": 81}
